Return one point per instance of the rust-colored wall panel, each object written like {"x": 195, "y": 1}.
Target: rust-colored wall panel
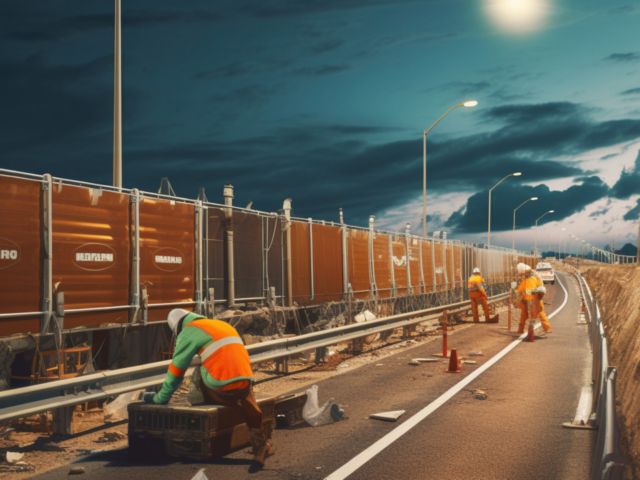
{"x": 414, "y": 263}
{"x": 167, "y": 257}
{"x": 272, "y": 227}
{"x": 382, "y": 264}
{"x": 439, "y": 266}
{"x": 427, "y": 264}
{"x": 215, "y": 253}
{"x": 358, "y": 247}
{"x": 247, "y": 254}
{"x": 400, "y": 265}
{"x": 450, "y": 266}
{"x": 457, "y": 265}
{"x": 327, "y": 263}
{"x": 20, "y": 254}
{"x": 300, "y": 263}
{"x": 91, "y": 250}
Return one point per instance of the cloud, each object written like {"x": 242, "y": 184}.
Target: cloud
{"x": 33, "y": 29}
{"x": 629, "y": 182}
{"x": 321, "y": 70}
{"x": 473, "y": 217}
{"x": 631, "y": 91}
{"x": 623, "y": 57}
{"x": 634, "y": 213}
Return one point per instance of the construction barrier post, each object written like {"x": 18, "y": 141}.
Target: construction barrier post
{"x": 454, "y": 362}
{"x": 445, "y": 322}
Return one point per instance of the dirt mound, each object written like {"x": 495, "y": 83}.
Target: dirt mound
{"x": 616, "y": 289}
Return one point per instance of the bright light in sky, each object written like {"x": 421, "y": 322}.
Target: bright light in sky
{"x": 517, "y": 16}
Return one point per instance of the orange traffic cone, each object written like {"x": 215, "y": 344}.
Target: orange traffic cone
{"x": 531, "y": 336}
{"x": 454, "y": 362}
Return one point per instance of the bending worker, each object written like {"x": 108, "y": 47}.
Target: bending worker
{"x": 529, "y": 301}
{"x": 225, "y": 372}
{"x": 478, "y": 295}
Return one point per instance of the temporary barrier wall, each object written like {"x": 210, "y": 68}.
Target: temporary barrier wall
{"x": 167, "y": 260}
{"x": 413, "y": 256}
{"x": 301, "y": 262}
{"x": 91, "y": 254}
{"x": 382, "y": 265}
{"x": 358, "y": 257}
{"x": 399, "y": 252}
{"x": 215, "y": 253}
{"x": 20, "y": 255}
{"x": 327, "y": 262}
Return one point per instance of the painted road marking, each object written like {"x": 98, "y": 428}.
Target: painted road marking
{"x": 363, "y": 457}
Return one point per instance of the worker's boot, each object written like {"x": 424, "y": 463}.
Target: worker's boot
{"x": 261, "y": 446}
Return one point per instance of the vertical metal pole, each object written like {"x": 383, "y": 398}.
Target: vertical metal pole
{"x": 433, "y": 264}
{"x": 47, "y": 249}
{"x": 199, "y": 297}
{"x": 407, "y": 249}
{"x": 424, "y": 184}
{"x": 286, "y": 206}
{"x": 117, "y": 98}
{"x": 444, "y": 264}
{"x": 421, "y": 259}
{"x": 135, "y": 267}
{"x": 311, "y": 272}
{"x": 345, "y": 258}
{"x": 489, "y": 222}
{"x": 228, "y": 213}
{"x": 372, "y": 270}
{"x": 393, "y": 273}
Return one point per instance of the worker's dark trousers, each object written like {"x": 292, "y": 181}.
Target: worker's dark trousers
{"x": 241, "y": 399}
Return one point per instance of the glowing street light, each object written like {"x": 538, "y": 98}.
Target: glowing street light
{"x": 513, "y": 235}
{"x": 514, "y": 174}
{"x": 465, "y": 104}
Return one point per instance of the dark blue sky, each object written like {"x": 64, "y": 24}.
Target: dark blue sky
{"x": 325, "y": 101}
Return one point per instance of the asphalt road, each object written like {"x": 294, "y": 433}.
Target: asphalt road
{"x": 515, "y": 433}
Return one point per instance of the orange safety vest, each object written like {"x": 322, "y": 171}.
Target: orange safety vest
{"x": 225, "y": 357}
{"x": 527, "y": 285}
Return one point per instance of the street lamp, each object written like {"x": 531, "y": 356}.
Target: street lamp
{"x": 466, "y": 104}
{"x": 514, "y": 174}
{"x": 513, "y": 235}
{"x": 117, "y": 98}
{"x": 535, "y": 247}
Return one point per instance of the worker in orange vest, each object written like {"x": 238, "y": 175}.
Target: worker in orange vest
{"x": 226, "y": 376}
{"x": 529, "y": 300}
{"x": 538, "y": 303}
{"x": 478, "y": 295}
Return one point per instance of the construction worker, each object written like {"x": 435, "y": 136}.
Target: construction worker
{"x": 525, "y": 296}
{"x": 478, "y": 295}
{"x": 225, "y": 373}
{"x": 538, "y": 303}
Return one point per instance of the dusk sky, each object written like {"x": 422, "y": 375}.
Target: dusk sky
{"x": 325, "y": 102}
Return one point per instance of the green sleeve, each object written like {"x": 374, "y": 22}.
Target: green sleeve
{"x": 187, "y": 345}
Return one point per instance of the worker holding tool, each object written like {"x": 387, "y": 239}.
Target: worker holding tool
{"x": 478, "y": 295}
{"x": 538, "y": 303}
{"x": 529, "y": 299}
{"x": 225, "y": 372}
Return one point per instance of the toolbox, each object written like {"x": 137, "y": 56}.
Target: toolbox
{"x": 197, "y": 432}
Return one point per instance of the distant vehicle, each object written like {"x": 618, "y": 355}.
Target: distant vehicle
{"x": 546, "y": 273}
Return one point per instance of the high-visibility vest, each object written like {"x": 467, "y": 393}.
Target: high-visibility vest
{"x": 225, "y": 357}
{"x": 475, "y": 283}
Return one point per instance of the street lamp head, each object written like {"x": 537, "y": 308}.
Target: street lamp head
{"x": 551, "y": 211}
{"x": 470, "y": 103}
{"x": 516, "y": 174}
{"x": 533, "y": 199}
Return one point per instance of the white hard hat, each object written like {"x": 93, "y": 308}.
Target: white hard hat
{"x": 174, "y": 318}
{"x": 522, "y": 268}
{"x": 476, "y": 270}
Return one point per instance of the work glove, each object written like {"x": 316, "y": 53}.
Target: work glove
{"x": 148, "y": 397}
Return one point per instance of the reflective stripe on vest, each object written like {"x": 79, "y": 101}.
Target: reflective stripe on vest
{"x": 211, "y": 348}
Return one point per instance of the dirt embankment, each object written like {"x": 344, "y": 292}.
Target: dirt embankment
{"x": 616, "y": 289}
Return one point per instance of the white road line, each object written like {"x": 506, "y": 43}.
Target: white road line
{"x": 363, "y": 457}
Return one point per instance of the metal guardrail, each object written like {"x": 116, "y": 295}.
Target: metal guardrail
{"x": 21, "y": 402}
{"x": 607, "y": 459}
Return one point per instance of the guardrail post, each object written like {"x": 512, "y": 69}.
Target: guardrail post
{"x": 282, "y": 365}
{"x": 62, "y": 420}
{"x": 357, "y": 346}
{"x": 321, "y": 354}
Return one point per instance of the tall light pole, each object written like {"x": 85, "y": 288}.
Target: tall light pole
{"x": 117, "y": 98}
{"x": 466, "y": 104}
{"x": 513, "y": 235}
{"x": 514, "y": 174}
{"x": 535, "y": 245}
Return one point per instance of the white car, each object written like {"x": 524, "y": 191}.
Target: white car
{"x": 546, "y": 273}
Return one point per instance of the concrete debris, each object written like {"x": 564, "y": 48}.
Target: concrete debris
{"x": 414, "y": 362}
{"x": 116, "y": 410}
{"x": 479, "y": 394}
{"x": 200, "y": 475}
{"x": 427, "y": 360}
{"x": 476, "y": 354}
{"x": 470, "y": 362}
{"x": 365, "y": 316}
{"x": 76, "y": 470}
{"x": 14, "y": 457}
{"x": 391, "y": 416}
{"x": 108, "y": 437}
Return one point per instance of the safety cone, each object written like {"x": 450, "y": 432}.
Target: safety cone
{"x": 531, "y": 336}
{"x": 454, "y": 362}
